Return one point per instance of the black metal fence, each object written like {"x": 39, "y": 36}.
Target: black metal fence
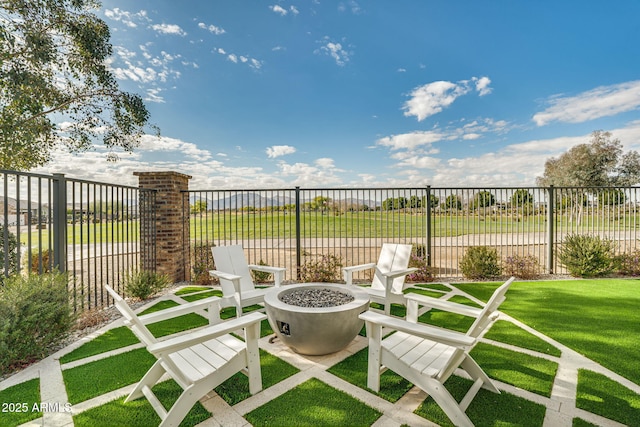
{"x": 289, "y": 227}
{"x": 88, "y": 229}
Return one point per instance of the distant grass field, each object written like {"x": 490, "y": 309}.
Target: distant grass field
{"x": 368, "y": 224}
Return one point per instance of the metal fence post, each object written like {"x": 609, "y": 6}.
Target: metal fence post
{"x": 428, "y": 227}
{"x": 298, "y": 235}
{"x": 550, "y": 227}
{"x": 60, "y": 222}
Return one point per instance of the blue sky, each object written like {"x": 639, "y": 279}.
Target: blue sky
{"x": 318, "y": 93}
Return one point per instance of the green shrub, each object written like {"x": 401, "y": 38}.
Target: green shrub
{"x": 35, "y": 314}
{"x": 201, "y": 263}
{"x": 145, "y": 284}
{"x": 36, "y": 265}
{"x": 8, "y": 253}
{"x": 326, "y": 269}
{"x": 480, "y": 262}
{"x": 587, "y": 256}
{"x": 419, "y": 260}
{"x": 629, "y": 263}
{"x": 521, "y": 266}
{"x": 261, "y": 276}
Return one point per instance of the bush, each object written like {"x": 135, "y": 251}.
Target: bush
{"x": 261, "y": 276}
{"x": 419, "y": 260}
{"x": 201, "y": 263}
{"x": 35, "y": 314}
{"x": 629, "y": 263}
{"x": 521, "y": 266}
{"x": 587, "y": 256}
{"x": 480, "y": 262}
{"x": 10, "y": 252}
{"x": 47, "y": 260}
{"x": 326, "y": 269}
{"x": 145, "y": 284}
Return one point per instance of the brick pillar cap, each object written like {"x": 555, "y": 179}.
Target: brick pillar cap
{"x": 163, "y": 173}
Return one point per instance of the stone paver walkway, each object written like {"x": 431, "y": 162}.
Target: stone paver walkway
{"x": 561, "y": 406}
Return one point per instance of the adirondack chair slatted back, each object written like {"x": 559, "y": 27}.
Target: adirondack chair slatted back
{"x": 231, "y": 259}
{"x": 392, "y": 257}
{"x": 486, "y": 317}
{"x": 134, "y": 323}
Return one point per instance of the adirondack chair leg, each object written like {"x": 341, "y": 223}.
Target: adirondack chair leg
{"x": 149, "y": 380}
{"x": 183, "y": 405}
{"x": 374, "y": 332}
{"x": 476, "y": 373}
{"x": 446, "y": 402}
{"x": 252, "y": 334}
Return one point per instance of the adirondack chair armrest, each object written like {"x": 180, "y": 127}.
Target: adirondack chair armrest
{"x": 444, "y": 305}
{"x": 444, "y": 336}
{"x": 178, "y": 343}
{"x": 397, "y": 273}
{"x": 278, "y": 272}
{"x": 224, "y": 276}
{"x": 347, "y": 272}
{"x": 354, "y": 268}
{"x": 267, "y": 268}
{"x": 211, "y": 303}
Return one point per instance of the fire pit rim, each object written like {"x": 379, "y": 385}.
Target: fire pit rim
{"x": 359, "y": 297}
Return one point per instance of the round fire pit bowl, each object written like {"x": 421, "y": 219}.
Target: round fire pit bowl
{"x": 315, "y": 330}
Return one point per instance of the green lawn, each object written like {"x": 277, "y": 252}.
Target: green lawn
{"x": 368, "y": 224}
{"x": 598, "y": 318}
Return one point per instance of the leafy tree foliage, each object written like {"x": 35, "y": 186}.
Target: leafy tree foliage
{"x": 55, "y": 85}
{"x": 599, "y": 163}
{"x": 453, "y": 202}
{"x": 611, "y": 197}
{"x": 199, "y": 206}
{"x": 484, "y": 199}
{"x": 521, "y": 197}
{"x": 395, "y": 203}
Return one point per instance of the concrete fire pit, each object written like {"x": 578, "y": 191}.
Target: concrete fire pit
{"x": 316, "y": 330}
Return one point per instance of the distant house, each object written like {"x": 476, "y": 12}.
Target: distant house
{"x": 14, "y": 212}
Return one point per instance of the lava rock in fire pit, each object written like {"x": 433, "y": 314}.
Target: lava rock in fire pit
{"x": 316, "y": 298}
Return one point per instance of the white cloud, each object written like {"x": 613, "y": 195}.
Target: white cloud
{"x": 482, "y": 85}
{"x": 279, "y": 150}
{"x": 233, "y": 58}
{"x": 212, "y": 28}
{"x": 602, "y": 101}
{"x": 169, "y": 29}
{"x": 129, "y": 19}
{"x": 335, "y": 50}
{"x": 411, "y": 140}
{"x": 432, "y": 98}
{"x": 152, "y": 143}
{"x": 278, "y": 9}
{"x": 153, "y": 95}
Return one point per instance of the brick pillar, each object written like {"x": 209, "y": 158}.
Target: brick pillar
{"x": 170, "y": 225}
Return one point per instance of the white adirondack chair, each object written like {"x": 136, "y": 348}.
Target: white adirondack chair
{"x": 389, "y": 275}
{"x": 427, "y": 355}
{"x": 198, "y": 361}
{"x": 234, "y": 274}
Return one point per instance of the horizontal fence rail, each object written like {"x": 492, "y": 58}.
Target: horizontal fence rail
{"x": 289, "y": 227}
{"x": 87, "y": 229}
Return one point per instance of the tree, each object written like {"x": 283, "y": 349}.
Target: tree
{"x": 600, "y": 163}
{"x": 521, "y": 197}
{"x": 453, "y": 202}
{"x": 53, "y": 70}
{"x": 484, "y": 199}
{"x": 611, "y": 197}
{"x": 199, "y": 206}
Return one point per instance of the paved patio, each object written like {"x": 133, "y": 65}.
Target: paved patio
{"x": 561, "y": 407}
